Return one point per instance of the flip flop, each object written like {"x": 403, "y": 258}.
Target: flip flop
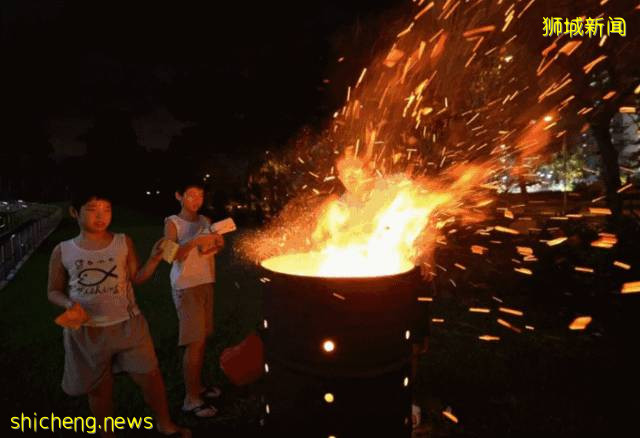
{"x": 416, "y": 417}
{"x": 204, "y": 410}
{"x": 211, "y": 392}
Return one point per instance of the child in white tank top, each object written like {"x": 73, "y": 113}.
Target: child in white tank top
{"x": 192, "y": 282}
{"x": 91, "y": 276}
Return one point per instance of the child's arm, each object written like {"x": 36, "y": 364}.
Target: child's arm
{"x": 171, "y": 233}
{"x": 218, "y": 244}
{"x": 57, "y": 281}
{"x": 139, "y": 274}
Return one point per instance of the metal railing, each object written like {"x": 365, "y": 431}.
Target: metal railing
{"x": 17, "y": 244}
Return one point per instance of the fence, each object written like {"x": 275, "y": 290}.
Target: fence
{"x": 19, "y": 243}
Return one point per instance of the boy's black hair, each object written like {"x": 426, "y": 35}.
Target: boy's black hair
{"x": 186, "y": 183}
{"x": 87, "y": 190}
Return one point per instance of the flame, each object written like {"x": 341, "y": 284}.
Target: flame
{"x": 374, "y": 228}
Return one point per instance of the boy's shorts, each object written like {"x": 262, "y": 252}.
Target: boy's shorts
{"x": 194, "y": 306}
{"x": 90, "y": 352}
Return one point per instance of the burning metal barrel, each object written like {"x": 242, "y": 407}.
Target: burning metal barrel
{"x": 337, "y": 353}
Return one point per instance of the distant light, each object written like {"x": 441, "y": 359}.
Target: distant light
{"x": 267, "y": 410}
{"x": 266, "y": 367}
{"x": 328, "y": 397}
{"x": 405, "y": 383}
{"x": 148, "y": 192}
{"x": 548, "y": 118}
{"x": 328, "y": 346}
{"x": 265, "y": 324}
{"x": 207, "y": 176}
{"x": 407, "y": 334}
{"x": 157, "y": 192}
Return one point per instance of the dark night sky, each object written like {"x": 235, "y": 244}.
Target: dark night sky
{"x": 248, "y": 75}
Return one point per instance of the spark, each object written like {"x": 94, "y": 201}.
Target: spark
{"x": 630, "y": 287}
{"x": 523, "y": 271}
{"x": 479, "y": 310}
{"x": 580, "y": 323}
{"x": 478, "y": 30}
{"x": 450, "y": 416}
{"x": 622, "y": 265}
{"x": 588, "y": 67}
{"x": 625, "y": 187}
{"x": 511, "y": 311}
{"x": 423, "y": 11}
{"x": 506, "y": 324}
{"x": 557, "y": 241}
{"x": 506, "y": 230}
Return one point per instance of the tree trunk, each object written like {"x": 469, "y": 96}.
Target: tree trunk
{"x": 610, "y": 167}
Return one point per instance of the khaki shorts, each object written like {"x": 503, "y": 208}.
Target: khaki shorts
{"x": 195, "y": 313}
{"x": 92, "y": 352}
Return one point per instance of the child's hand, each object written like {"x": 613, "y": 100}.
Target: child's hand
{"x": 205, "y": 241}
{"x": 217, "y": 242}
{"x": 73, "y": 317}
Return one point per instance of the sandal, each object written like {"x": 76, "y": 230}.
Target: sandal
{"x": 416, "y": 417}
{"x": 204, "y": 410}
{"x": 211, "y": 392}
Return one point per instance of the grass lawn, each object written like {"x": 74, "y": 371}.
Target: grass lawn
{"x": 549, "y": 381}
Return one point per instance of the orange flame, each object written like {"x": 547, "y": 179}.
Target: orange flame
{"x": 374, "y": 228}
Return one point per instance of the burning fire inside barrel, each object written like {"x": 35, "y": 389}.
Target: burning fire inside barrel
{"x": 338, "y": 317}
{"x": 337, "y": 350}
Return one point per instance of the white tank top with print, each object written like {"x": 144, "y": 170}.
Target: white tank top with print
{"x": 99, "y": 281}
{"x": 196, "y": 268}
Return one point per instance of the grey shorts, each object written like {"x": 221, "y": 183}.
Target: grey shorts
{"x": 90, "y": 353}
{"x": 194, "y": 307}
